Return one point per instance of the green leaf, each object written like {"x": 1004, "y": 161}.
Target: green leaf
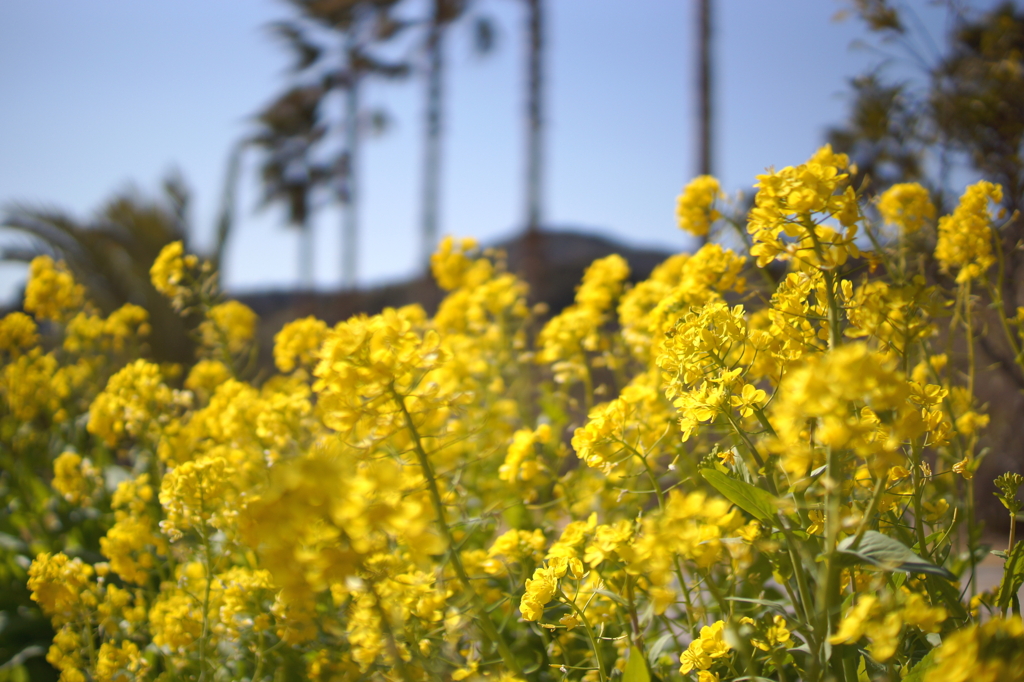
{"x": 636, "y": 667}
{"x": 889, "y": 554}
{"x": 751, "y": 499}
{"x": 660, "y": 645}
{"x": 945, "y": 593}
{"x": 614, "y": 597}
{"x": 1013, "y": 576}
{"x": 917, "y": 673}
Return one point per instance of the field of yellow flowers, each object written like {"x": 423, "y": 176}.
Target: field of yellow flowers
{"x": 692, "y": 478}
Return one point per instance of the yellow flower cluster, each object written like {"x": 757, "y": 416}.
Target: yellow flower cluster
{"x": 133, "y": 544}
{"x": 453, "y": 268}
{"x": 652, "y": 307}
{"x": 702, "y": 367}
{"x": 769, "y": 482}
{"x": 83, "y": 346}
{"x": 842, "y": 393}
{"x": 370, "y": 366}
{"x": 172, "y": 273}
{"x": 206, "y": 376}
{"x": 633, "y": 424}
{"x": 76, "y": 598}
{"x": 567, "y": 338}
{"x": 132, "y": 401}
{"x": 521, "y": 462}
{"x": 882, "y": 623}
{"x": 689, "y": 526}
{"x": 92, "y": 333}
{"x": 312, "y": 532}
{"x": 75, "y": 478}
{"x": 297, "y": 343}
{"x": 61, "y": 585}
{"x": 906, "y": 205}
{"x": 230, "y": 325}
{"x": 794, "y": 202}
{"x": 694, "y": 210}
{"x": 52, "y": 292}
{"x": 705, "y": 651}
{"x": 18, "y": 333}
{"x": 981, "y": 653}
{"x": 965, "y": 236}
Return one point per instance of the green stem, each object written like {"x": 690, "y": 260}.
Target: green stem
{"x": 791, "y": 544}
{"x": 385, "y": 625}
{"x": 876, "y": 500}
{"x": 752, "y": 449}
{"x": 834, "y": 328}
{"x": 484, "y": 618}
{"x": 679, "y": 569}
{"x": 590, "y": 634}
{"x": 918, "y": 506}
{"x": 762, "y": 418}
{"x": 208, "y": 560}
{"x": 828, "y": 589}
{"x": 969, "y": 329}
{"x": 724, "y": 606}
{"x": 1013, "y": 532}
{"x": 997, "y": 303}
{"x": 634, "y": 621}
{"x": 965, "y": 292}
{"x": 90, "y": 644}
{"x": 260, "y": 654}
{"x": 881, "y": 252}
{"x": 654, "y": 480}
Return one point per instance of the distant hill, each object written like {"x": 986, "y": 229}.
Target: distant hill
{"x": 551, "y": 262}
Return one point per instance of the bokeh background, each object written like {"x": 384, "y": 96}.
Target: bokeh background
{"x": 103, "y": 95}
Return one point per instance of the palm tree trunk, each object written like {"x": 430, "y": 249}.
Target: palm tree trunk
{"x": 704, "y": 86}
{"x": 306, "y": 257}
{"x": 534, "y": 114}
{"x": 350, "y": 211}
{"x": 704, "y": 132}
{"x": 533, "y": 249}
{"x": 432, "y": 148}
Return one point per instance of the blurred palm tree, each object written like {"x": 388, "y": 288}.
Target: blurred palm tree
{"x": 533, "y": 257}
{"x": 704, "y": 103}
{"x": 358, "y": 28}
{"x": 534, "y": 113}
{"x": 288, "y": 130}
{"x": 111, "y": 254}
{"x": 444, "y": 14}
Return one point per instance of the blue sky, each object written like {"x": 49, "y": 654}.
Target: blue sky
{"x": 97, "y": 95}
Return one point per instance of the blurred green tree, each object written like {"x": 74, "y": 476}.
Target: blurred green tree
{"x": 111, "y": 254}
{"x": 966, "y": 107}
{"x": 965, "y": 112}
{"x": 288, "y": 130}
{"x": 962, "y": 115}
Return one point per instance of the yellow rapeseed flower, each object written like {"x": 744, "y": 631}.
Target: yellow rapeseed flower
{"x": 297, "y": 343}
{"x": 51, "y": 292}
{"x": 18, "y": 333}
{"x": 694, "y": 210}
{"x": 907, "y": 205}
{"x": 965, "y": 236}
{"x": 231, "y": 325}
{"x": 990, "y": 652}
